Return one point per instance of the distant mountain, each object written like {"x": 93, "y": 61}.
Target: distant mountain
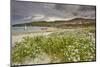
{"x": 81, "y": 19}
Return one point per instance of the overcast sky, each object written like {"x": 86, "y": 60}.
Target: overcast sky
{"x": 23, "y": 11}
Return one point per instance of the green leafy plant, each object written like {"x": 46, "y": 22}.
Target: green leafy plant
{"x": 73, "y": 46}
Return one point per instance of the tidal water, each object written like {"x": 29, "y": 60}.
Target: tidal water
{"x": 26, "y": 29}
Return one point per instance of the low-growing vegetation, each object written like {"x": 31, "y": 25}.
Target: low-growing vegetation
{"x": 71, "y": 46}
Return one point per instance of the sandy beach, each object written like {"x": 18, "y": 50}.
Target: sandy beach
{"x": 19, "y": 37}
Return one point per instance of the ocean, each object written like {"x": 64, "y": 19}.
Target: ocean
{"x": 24, "y": 29}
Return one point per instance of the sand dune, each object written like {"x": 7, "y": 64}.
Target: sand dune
{"x": 19, "y": 37}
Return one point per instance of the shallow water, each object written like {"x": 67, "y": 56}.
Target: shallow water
{"x": 27, "y": 29}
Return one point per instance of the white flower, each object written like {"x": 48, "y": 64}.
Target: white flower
{"x": 76, "y": 50}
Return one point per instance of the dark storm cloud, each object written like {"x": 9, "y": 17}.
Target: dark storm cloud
{"x": 77, "y": 10}
{"x": 22, "y": 11}
{"x": 69, "y": 7}
{"x": 87, "y": 8}
{"x": 66, "y": 8}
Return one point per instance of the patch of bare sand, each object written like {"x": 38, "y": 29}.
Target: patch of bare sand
{"x": 19, "y": 37}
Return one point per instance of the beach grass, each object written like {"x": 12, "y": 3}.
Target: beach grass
{"x": 64, "y": 46}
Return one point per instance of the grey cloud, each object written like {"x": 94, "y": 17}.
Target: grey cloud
{"x": 87, "y": 8}
{"x": 77, "y": 10}
{"x": 67, "y": 8}
{"x": 30, "y": 11}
